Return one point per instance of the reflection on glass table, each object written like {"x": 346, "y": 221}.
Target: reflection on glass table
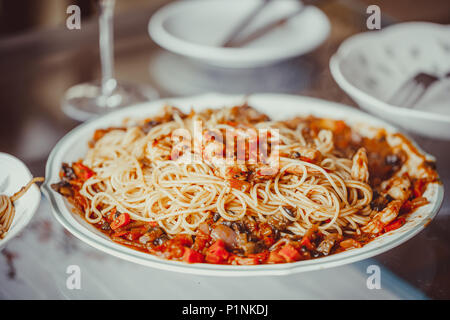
{"x": 25, "y": 275}
{"x": 179, "y": 75}
{"x": 86, "y": 100}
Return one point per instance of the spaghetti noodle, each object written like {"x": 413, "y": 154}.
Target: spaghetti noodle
{"x": 258, "y": 189}
{"x": 7, "y": 210}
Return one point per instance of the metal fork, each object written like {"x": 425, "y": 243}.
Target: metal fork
{"x": 245, "y": 22}
{"x": 413, "y": 90}
{"x": 231, "y": 41}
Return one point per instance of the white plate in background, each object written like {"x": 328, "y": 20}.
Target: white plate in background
{"x": 197, "y": 28}
{"x": 74, "y": 145}
{"x": 13, "y": 176}
{"x": 370, "y": 67}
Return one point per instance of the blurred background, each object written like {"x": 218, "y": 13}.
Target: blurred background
{"x": 40, "y": 59}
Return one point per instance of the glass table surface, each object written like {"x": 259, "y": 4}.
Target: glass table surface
{"x": 37, "y": 68}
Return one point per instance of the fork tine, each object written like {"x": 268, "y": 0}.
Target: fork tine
{"x": 425, "y": 80}
{"x": 412, "y": 90}
{"x": 415, "y": 89}
{"x": 403, "y": 93}
{"x": 415, "y": 97}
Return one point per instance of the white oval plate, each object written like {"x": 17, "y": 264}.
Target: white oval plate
{"x": 197, "y": 28}
{"x": 13, "y": 176}
{"x": 371, "y": 66}
{"x": 74, "y": 146}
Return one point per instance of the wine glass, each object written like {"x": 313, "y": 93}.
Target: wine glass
{"x": 87, "y": 100}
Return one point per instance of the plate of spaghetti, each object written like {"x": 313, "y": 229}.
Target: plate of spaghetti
{"x": 265, "y": 184}
{"x": 19, "y": 197}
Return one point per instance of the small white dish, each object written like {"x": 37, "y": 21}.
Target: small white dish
{"x": 197, "y": 28}
{"x": 370, "y": 67}
{"x": 13, "y": 176}
{"x": 278, "y": 106}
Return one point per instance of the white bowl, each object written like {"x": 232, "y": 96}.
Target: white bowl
{"x": 370, "y": 67}
{"x": 13, "y": 176}
{"x": 196, "y": 29}
{"x": 74, "y": 146}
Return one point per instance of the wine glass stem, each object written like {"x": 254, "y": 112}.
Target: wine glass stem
{"x": 106, "y": 40}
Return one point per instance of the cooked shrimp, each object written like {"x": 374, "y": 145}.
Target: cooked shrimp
{"x": 360, "y": 169}
{"x": 398, "y": 188}
{"x": 384, "y": 217}
{"x": 306, "y": 153}
{"x": 260, "y": 173}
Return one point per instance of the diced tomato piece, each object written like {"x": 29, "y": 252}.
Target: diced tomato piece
{"x": 397, "y": 223}
{"x": 82, "y": 171}
{"x": 289, "y": 253}
{"x": 184, "y": 240}
{"x": 217, "y": 253}
{"x": 192, "y": 256}
{"x": 306, "y": 243}
{"x": 122, "y": 220}
{"x": 239, "y": 185}
{"x": 275, "y": 257}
